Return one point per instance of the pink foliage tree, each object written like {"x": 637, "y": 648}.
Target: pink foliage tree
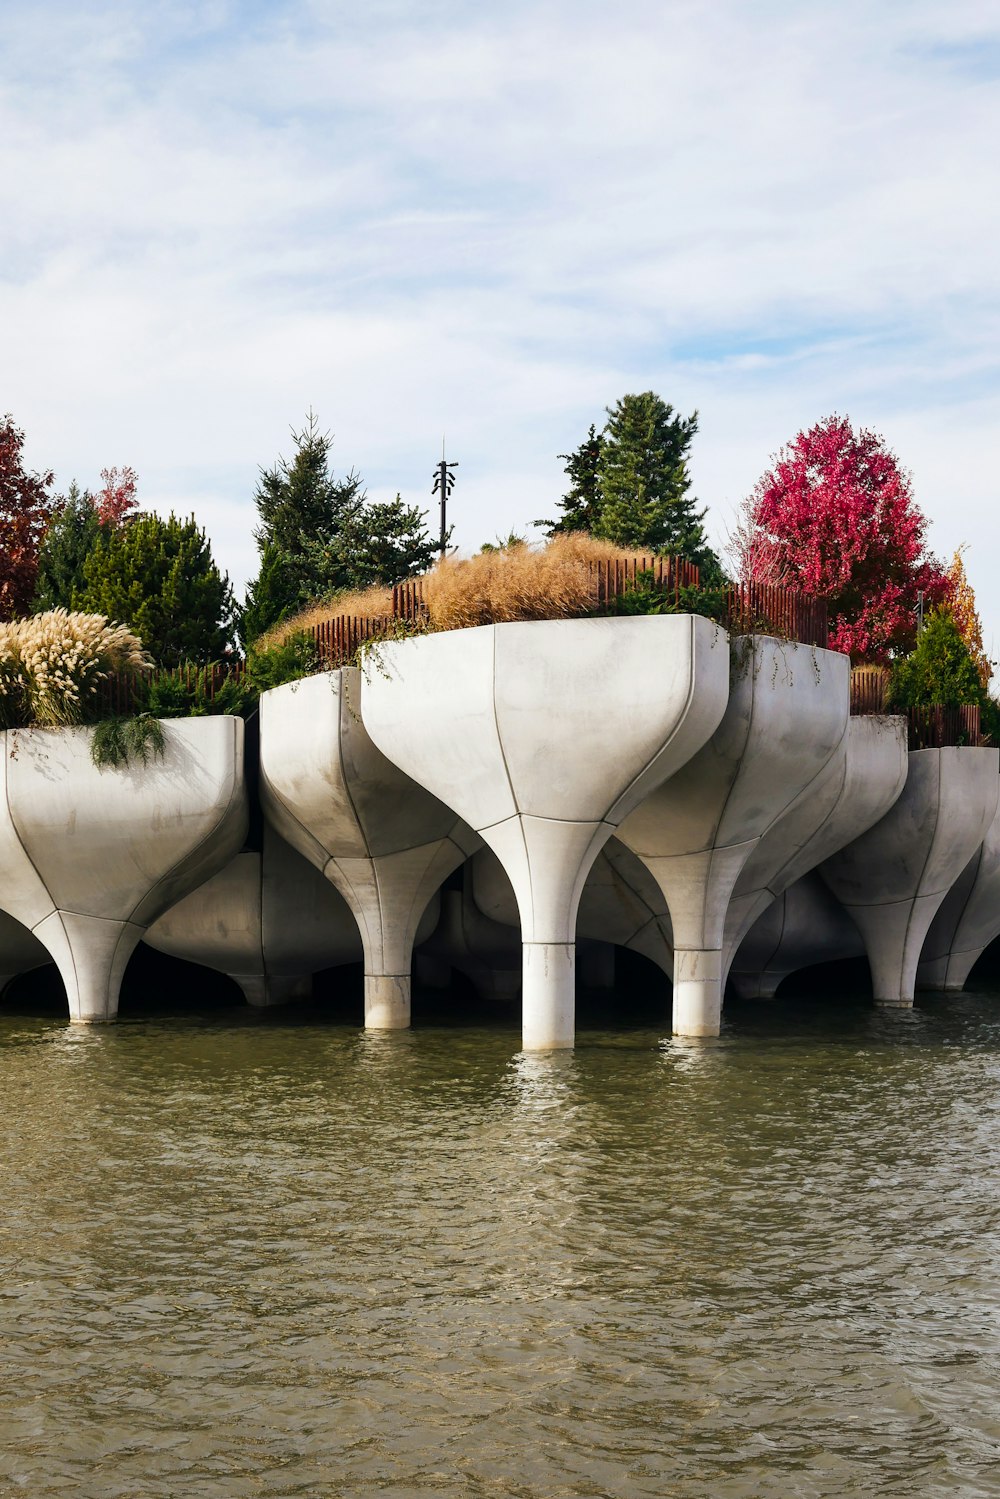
{"x": 116, "y": 497}
{"x": 835, "y": 517}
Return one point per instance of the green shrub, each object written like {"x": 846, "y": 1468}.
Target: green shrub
{"x": 939, "y": 670}
{"x": 288, "y": 661}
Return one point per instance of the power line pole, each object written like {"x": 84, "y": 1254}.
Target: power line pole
{"x": 444, "y": 482}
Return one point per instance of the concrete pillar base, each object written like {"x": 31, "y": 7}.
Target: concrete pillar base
{"x": 697, "y": 992}
{"x": 548, "y": 999}
{"x": 894, "y": 1004}
{"x": 265, "y": 990}
{"x": 387, "y": 1001}
{"x": 91, "y": 954}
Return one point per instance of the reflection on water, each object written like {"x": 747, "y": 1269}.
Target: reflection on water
{"x": 244, "y": 1259}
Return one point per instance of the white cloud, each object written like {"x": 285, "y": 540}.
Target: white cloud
{"x": 493, "y": 222}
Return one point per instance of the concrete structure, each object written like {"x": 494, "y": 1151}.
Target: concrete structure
{"x": 804, "y": 926}
{"x": 90, "y": 857}
{"x": 786, "y": 718}
{"x": 967, "y": 921}
{"x": 893, "y": 879}
{"x": 855, "y": 789}
{"x": 269, "y": 920}
{"x": 621, "y": 903}
{"x": 543, "y": 736}
{"x": 383, "y": 841}
{"x": 19, "y": 950}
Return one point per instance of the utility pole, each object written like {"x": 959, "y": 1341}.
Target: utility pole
{"x": 920, "y": 611}
{"x": 444, "y": 481}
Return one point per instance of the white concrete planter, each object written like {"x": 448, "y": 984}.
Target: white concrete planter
{"x": 786, "y": 718}
{"x": 859, "y": 784}
{"x": 543, "y": 736}
{"x": 893, "y": 879}
{"x": 384, "y": 842}
{"x": 269, "y": 920}
{"x": 90, "y": 857}
{"x": 967, "y": 921}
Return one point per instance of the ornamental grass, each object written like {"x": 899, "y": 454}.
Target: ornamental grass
{"x": 554, "y": 580}
{"x": 52, "y": 666}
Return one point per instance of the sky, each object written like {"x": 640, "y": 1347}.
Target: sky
{"x": 488, "y": 222}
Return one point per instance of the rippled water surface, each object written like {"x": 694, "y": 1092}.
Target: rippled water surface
{"x": 271, "y": 1259}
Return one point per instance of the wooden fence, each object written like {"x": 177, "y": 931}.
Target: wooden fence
{"x": 766, "y": 609}
{"x": 747, "y": 608}
{"x": 126, "y": 692}
{"x": 935, "y": 727}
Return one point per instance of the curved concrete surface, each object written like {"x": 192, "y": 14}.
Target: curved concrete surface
{"x": 269, "y": 920}
{"x": 856, "y": 788}
{"x": 383, "y": 841}
{"x": 19, "y": 950}
{"x": 805, "y": 925}
{"x": 787, "y": 717}
{"x": 487, "y": 952}
{"x": 543, "y": 736}
{"x": 967, "y": 921}
{"x": 893, "y": 879}
{"x": 90, "y": 857}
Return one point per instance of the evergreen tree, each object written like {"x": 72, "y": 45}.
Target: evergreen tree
{"x": 643, "y": 474}
{"x": 581, "y": 504}
{"x": 74, "y": 531}
{"x": 158, "y": 577}
{"x": 318, "y": 535}
{"x": 629, "y": 484}
{"x": 939, "y": 669}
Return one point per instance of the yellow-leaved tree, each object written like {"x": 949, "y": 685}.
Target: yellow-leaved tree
{"x": 963, "y": 607}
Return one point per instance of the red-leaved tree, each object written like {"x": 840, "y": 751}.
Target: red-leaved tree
{"x": 116, "y": 497}
{"x": 25, "y": 508}
{"x": 835, "y": 517}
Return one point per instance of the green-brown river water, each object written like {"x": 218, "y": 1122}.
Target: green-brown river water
{"x": 265, "y": 1258}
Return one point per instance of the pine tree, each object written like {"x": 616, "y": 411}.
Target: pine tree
{"x": 581, "y": 504}
{"x": 643, "y": 474}
{"x": 157, "y": 576}
{"x": 74, "y": 531}
{"x": 319, "y": 534}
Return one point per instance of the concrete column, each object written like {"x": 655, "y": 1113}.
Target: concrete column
{"x": 804, "y": 926}
{"x": 90, "y": 857}
{"x": 269, "y": 920}
{"x": 382, "y": 841}
{"x": 543, "y": 736}
{"x": 894, "y": 878}
{"x": 786, "y": 719}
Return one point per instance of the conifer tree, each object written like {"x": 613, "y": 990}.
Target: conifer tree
{"x": 939, "y": 669}
{"x": 630, "y": 484}
{"x": 157, "y": 576}
{"x": 73, "y": 533}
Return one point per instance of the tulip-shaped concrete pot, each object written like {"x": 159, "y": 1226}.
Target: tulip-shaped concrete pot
{"x": 893, "y": 879}
{"x": 856, "y": 788}
{"x": 804, "y": 926}
{"x": 967, "y": 921}
{"x": 543, "y": 736}
{"x": 269, "y": 920}
{"x": 786, "y": 718}
{"x": 90, "y": 857}
{"x": 383, "y": 841}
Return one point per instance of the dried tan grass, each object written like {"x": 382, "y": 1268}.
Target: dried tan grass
{"x": 554, "y": 581}
{"x": 366, "y": 603}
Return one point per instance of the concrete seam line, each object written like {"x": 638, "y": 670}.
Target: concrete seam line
{"x": 342, "y": 705}
{"x": 510, "y": 784}
{"x": 806, "y": 790}
{"x": 689, "y": 699}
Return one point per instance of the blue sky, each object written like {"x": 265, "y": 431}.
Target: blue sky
{"x": 491, "y": 222}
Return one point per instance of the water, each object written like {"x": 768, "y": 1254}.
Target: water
{"x": 259, "y": 1258}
